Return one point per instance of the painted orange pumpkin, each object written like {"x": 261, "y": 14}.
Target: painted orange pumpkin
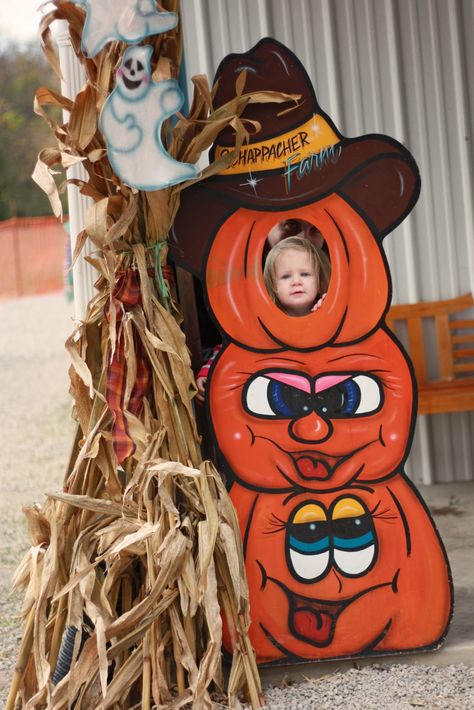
{"x": 317, "y": 420}
{"x": 358, "y": 290}
{"x": 348, "y": 573}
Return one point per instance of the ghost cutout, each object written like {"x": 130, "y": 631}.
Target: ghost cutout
{"x": 131, "y": 121}
{"x": 129, "y": 21}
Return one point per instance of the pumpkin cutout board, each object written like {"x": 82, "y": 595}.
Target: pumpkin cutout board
{"x": 314, "y": 415}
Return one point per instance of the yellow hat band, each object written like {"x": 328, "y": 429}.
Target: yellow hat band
{"x": 309, "y": 139}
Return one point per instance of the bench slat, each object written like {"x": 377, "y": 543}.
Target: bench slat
{"x": 466, "y": 352}
{"x": 445, "y": 351}
{"x": 431, "y": 308}
{"x": 437, "y": 400}
{"x": 455, "y": 324}
{"x": 462, "y": 339}
{"x": 416, "y": 347}
{"x": 464, "y": 367}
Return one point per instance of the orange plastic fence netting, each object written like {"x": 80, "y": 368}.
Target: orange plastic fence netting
{"x": 33, "y": 255}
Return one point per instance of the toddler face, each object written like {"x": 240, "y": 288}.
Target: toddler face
{"x": 296, "y": 282}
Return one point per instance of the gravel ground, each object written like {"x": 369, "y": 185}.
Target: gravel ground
{"x": 36, "y": 433}
{"x": 381, "y": 687}
{"x": 35, "y": 438}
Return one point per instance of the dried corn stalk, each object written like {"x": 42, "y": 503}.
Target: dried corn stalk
{"x": 133, "y": 565}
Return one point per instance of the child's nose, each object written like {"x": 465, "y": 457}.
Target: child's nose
{"x": 311, "y": 429}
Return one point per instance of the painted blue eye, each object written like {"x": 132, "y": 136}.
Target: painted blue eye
{"x": 351, "y": 533}
{"x": 309, "y": 550}
{"x": 354, "y": 396}
{"x": 354, "y": 544}
{"x": 309, "y": 547}
{"x": 287, "y": 401}
{"x": 350, "y": 398}
{"x": 271, "y": 398}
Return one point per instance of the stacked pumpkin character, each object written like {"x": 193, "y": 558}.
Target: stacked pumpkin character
{"x": 314, "y": 416}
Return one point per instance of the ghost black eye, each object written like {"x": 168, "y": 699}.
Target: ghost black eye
{"x": 140, "y": 66}
{"x": 128, "y": 63}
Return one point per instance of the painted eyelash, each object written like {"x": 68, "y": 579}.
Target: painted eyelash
{"x": 276, "y": 523}
{"x": 386, "y": 518}
{"x": 382, "y": 514}
{"x": 386, "y": 378}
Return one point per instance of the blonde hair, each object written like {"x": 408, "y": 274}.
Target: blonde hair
{"x": 316, "y": 256}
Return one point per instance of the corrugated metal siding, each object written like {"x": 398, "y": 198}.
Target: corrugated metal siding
{"x": 404, "y": 68}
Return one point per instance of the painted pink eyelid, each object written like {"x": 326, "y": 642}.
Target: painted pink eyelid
{"x": 298, "y": 381}
{"x": 327, "y": 381}
{"x": 303, "y": 384}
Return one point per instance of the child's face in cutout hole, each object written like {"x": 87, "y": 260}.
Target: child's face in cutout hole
{"x": 295, "y": 282}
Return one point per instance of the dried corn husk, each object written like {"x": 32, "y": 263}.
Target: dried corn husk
{"x": 140, "y": 561}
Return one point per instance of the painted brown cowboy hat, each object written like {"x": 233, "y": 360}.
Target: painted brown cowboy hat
{"x": 297, "y": 157}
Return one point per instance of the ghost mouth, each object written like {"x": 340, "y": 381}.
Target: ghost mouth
{"x": 130, "y": 84}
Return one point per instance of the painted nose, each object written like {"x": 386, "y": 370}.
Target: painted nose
{"x": 310, "y": 429}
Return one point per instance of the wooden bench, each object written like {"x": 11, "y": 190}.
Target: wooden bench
{"x": 431, "y": 329}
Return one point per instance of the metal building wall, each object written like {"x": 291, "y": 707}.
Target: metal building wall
{"x": 404, "y": 68}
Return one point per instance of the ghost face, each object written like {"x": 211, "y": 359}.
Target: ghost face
{"x": 343, "y": 573}
{"x": 133, "y": 76}
{"x": 317, "y": 420}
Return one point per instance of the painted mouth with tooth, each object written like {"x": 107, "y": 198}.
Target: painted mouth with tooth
{"x": 314, "y": 621}
{"x": 314, "y": 466}
{"x": 311, "y": 468}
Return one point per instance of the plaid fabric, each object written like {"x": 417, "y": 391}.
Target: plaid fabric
{"x": 168, "y": 273}
{"x": 126, "y": 295}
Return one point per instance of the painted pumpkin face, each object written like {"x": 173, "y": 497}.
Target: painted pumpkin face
{"x": 358, "y": 288}
{"x": 340, "y": 574}
{"x": 315, "y": 420}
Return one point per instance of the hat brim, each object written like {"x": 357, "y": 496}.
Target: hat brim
{"x": 375, "y": 174}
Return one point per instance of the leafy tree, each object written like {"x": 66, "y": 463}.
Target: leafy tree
{"x": 22, "y": 133}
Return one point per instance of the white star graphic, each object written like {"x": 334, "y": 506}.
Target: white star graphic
{"x": 252, "y": 181}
